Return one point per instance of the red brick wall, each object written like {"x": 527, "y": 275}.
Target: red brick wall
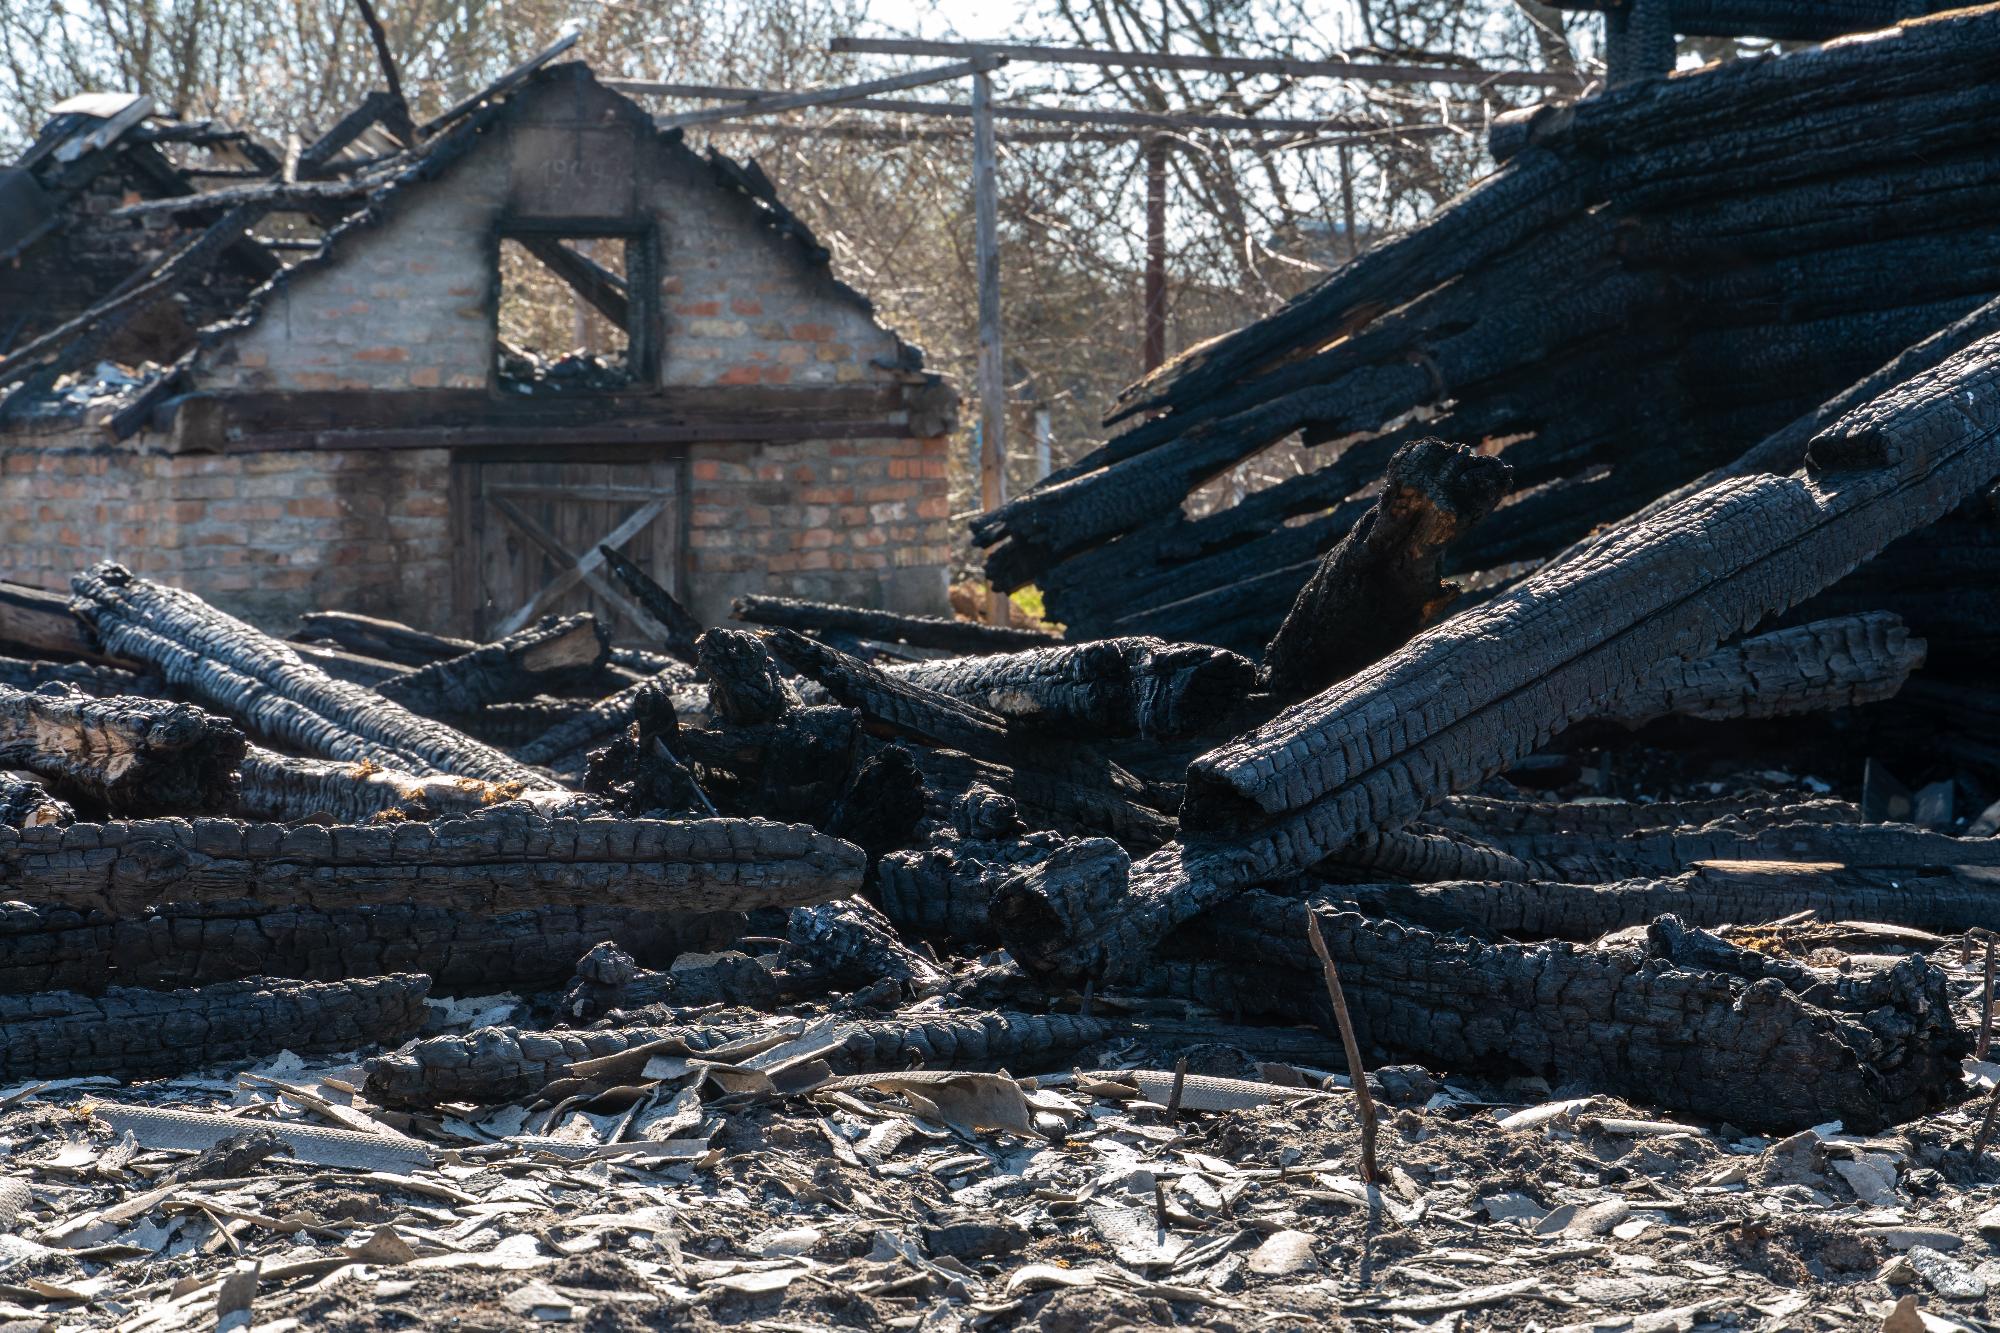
{"x": 270, "y": 535}
{"x": 863, "y": 521}
{"x": 264, "y": 536}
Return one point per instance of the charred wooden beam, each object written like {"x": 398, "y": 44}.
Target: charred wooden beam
{"x": 955, "y": 636}
{"x": 284, "y": 788}
{"x": 1383, "y": 582}
{"x": 25, "y": 803}
{"x": 681, "y": 626}
{"x": 496, "y": 1065}
{"x": 503, "y": 859}
{"x": 1710, "y": 894}
{"x": 1111, "y": 804}
{"x": 131, "y": 756}
{"x": 1107, "y": 687}
{"x": 1684, "y": 1021}
{"x": 1826, "y": 664}
{"x": 187, "y": 944}
{"x": 143, "y": 1034}
{"x": 1580, "y": 636}
{"x": 40, "y": 620}
{"x": 389, "y": 640}
{"x": 93, "y": 679}
{"x": 1086, "y": 787}
{"x": 602, "y": 288}
{"x": 510, "y": 726}
{"x": 896, "y": 703}
{"x": 544, "y": 656}
{"x": 1668, "y": 851}
{"x": 564, "y": 746}
{"x": 1497, "y": 820}
{"x": 1423, "y": 853}
{"x": 354, "y": 668}
{"x": 240, "y": 670}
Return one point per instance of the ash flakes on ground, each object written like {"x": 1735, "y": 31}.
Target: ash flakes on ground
{"x": 888, "y": 1201}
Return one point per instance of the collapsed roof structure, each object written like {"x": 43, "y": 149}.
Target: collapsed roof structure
{"x": 1655, "y": 279}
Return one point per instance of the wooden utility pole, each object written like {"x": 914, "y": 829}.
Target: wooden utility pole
{"x": 986, "y": 251}
{"x": 1347, "y": 200}
{"x": 1155, "y": 349}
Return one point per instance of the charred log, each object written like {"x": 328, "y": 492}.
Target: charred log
{"x": 681, "y": 627}
{"x": 93, "y": 679}
{"x": 40, "y": 621}
{"x": 1685, "y": 1021}
{"x": 24, "y": 803}
{"x": 1117, "y": 808}
{"x": 849, "y": 943}
{"x": 1107, "y": 687}
{"x": 131, "y": 756}
{"x": 1668, "y": 851}
{"x": 504, "y": 859}
{"x": 180, "y": 945}
{"x": 388, "y": 640}
{"x": 1710, "y": 894}
{"x": 139, "y": 1034}
{"x": 1822, "y": 665}
{"x": 944, "y": 891}
{"x": 233, "y": 667}
{"x": 896, "y": 703}
{"x": 744, "y": 682}
{"x": 354, "y": 668}
{"x": 565, "y": 745}
{"x": 953, "y": 636}
{"x": 512, "y": 726}
{"x": 283, "y": 788}
{"x": 543, "y": 657}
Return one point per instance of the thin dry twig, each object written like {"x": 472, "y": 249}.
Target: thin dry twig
{"x": 1364, "y": 1102}
{"x": 1986, "y": 1006}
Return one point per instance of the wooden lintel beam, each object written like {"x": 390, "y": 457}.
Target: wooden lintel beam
{"x": 603, "y": 289}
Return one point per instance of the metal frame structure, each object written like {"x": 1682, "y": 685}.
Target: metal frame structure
{"x": 978, "y": 60}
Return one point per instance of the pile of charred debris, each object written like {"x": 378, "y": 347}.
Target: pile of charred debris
{"x": 945, "y": 973}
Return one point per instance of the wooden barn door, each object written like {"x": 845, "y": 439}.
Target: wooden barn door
{"x": 529, "y": 533}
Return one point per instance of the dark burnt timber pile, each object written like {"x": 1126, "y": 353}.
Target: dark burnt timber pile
{"x": 1693, "y": 364}
{"x": 1654, "y": 280}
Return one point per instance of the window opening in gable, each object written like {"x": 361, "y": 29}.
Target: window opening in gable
{"x": 567, "y": 315}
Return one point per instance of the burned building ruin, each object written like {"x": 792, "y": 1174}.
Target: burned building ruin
{"x": 355, "y": 428}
